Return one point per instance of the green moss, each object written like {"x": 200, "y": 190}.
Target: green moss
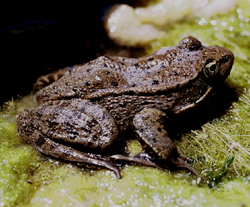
{"x": 29, "y": 178}
{"x": 133, "y": 148}
{"x": 139, "y": 187}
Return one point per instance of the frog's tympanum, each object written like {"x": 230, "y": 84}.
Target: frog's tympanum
{"x": 85, "y": 112}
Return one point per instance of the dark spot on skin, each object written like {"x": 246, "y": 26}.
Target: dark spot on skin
{"x": 155, "y": 82}
{"x": 105, "y": 134}
{"x": 179, "y": 59}
{"x": 73, "y": 135}
{"x": 50, "y": 133}
{"x": 88, "y": 70}
{"x": 107, "y": 72}
{"x": 174, "y": 54}
{"x": 95, "y": 138}
{"x": 159, "y": 129}
{"x": 40, "y": 141}
{"x": 120, "y": 63}
{"x": 87, "y": 130}
{"x": 118, "y": 117}
{"x": 150, "y": 59}
{"x": 122, "y": 104}
{"x": 74, "y": 89}
{"x": 114, "y": 83}
{"x": 29, "y": 131}
{"x": 175, "y": 73}
{"x": 114, "y": 95}
{"x": 154, "y": 139}
{"x": 136, "y": 65}
{"x": 40, "y": 112}
{"x": 192, "y": 48}
{"x": 133, "y": 85}
{"x": 53, "y": 146}
{"x": 67, "y": 153}
{"x": 87, "y": 83}
{"x": 95, "y": 99}
{"x": 130, "y": 92}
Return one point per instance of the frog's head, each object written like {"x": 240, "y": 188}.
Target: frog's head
{"x": 216, "y": 62}
{"x": 209, "y": 66}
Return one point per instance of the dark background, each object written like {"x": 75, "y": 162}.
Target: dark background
{"x": 40, "y": 37}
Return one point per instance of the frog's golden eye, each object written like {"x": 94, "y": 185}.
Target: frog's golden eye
{"x": 210, "y": 69}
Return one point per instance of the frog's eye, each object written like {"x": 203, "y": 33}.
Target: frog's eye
{"x": 210, "y": 69}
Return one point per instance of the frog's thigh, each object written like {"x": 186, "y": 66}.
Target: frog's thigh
{"x": 78, "y": 122}
{"x": 149, "y": 126}
{"x": 60, "y": 151}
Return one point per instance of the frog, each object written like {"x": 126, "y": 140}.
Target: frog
{"x": 85, "y": 112}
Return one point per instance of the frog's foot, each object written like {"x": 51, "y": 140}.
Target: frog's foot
{"x": 136, "y": 159}
{"x": 59, "y": 151}
{"x": 180, "y": 162}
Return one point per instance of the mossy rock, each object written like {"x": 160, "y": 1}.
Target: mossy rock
{"x": 219, "y": 147}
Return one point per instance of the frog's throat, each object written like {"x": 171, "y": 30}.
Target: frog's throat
{"x": 188, "y": 106}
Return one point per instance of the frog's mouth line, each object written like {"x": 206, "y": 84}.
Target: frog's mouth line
{"x": 196, "y": 102}
{"x": 204, "y": 95}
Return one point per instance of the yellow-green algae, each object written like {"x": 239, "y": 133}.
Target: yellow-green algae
{"x": 30, "y": 179}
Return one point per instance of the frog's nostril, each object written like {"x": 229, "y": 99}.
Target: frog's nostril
{"x": 225, "y": 58}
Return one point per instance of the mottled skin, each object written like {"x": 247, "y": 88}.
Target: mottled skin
{"x": 94, "y": 102}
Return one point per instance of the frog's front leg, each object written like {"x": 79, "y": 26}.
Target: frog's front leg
{"x": 55, "y": 127}
{"x": 149, "y": 126}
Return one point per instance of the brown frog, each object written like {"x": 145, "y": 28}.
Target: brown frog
{"x": 93, "y": 104}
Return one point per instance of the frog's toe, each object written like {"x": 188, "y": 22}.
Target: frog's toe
{"x": 179, "y": 162}
{"x": 116, "y": 170}
{"x": 135, "y": 159}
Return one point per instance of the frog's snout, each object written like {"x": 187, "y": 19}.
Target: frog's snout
{"x": 226, "y": 63}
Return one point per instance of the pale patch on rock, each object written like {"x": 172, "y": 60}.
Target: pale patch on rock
{"x": 130, "y": 26}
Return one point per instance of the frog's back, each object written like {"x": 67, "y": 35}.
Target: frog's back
{"x": 161, "y": 71}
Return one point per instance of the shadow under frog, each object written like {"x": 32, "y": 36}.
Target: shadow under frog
{"x": 94, "y": 104}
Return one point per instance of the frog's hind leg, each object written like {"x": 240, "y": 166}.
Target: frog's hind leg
{"x": 149, "y": 125}
{"x": 56, "y": 126}
{"x": 47, "y": 79}
{"x": 60, "y": 151}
